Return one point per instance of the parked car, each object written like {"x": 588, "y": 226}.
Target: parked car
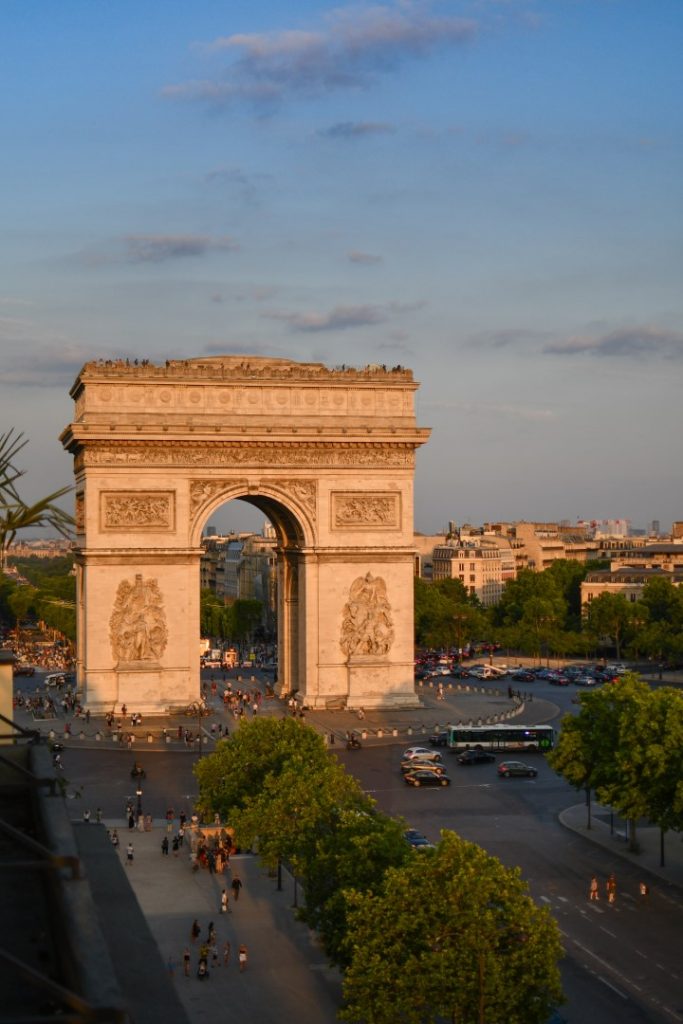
{"x": 506, "y": 769}
{"x": 586, "y": 680}
{"x": 426, "y": 777}
{"x": 24, "y": 670}
{"x": 413, "y": 764}
{"x": 439, "y": 739}
{"x": 421, "y": 753}
{"x": 459, "y": 672}
{"x": 523, "y": 675}
{"x": 475, "y": 757}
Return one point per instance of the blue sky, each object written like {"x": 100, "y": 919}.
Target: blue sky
{"x": 487, "y": 192}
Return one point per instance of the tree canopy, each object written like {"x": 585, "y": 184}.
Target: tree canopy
{"x": 451, "y": 935}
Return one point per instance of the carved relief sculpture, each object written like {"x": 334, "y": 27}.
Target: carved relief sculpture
{"x": 140, "y": 510}
{"x": 362, "y": 509}
{"x": 367, "y": 627}
{"x": 137, "y": 628}
{"x": 247, "y": 453}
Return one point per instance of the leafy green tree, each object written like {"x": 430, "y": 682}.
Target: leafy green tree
{"x": 594, "y": 749}
{"x": 240, "y": 765}
{"x": 15, "y": 514}
{"x": 20, "y": 602}
{"x": 664, "y": 603}
{"x": 611, "y": 615}
{"x": 538, "y": 586}
{"x": 352, "y": 853}
{"x": 451, "y": 935}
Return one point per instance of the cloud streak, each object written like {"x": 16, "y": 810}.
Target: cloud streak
{"x": 161, "y": 248}
{"x": 365, "y": 258}
{"x": 351, "y": 49}
{"x": 356, "y": 129}
{"x": 625, "y": 343}
{"x": 342, "y": 318}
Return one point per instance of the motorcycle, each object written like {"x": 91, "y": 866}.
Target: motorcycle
{"x": 138, "y": 772}
{"x": 353, "y": 743}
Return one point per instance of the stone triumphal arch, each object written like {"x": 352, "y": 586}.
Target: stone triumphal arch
{"x": 327, "y": 454}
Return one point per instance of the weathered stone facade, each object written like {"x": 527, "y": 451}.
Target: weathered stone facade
{"x": 328, "y": 455}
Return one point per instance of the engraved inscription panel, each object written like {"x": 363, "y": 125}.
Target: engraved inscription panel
{"x": 354, "y": 510}
{"x": 137, "y": 510}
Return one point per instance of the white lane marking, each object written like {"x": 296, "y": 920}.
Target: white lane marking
{"x": 613, "y": 987}
{"x": 641, "y": 954}
{"x": 545, "y": 899}
{"x": 608, "y": 967}
{"x": 596, "y": 910}
{"x": 608, "y": 932}
{"x": 563, "y": 899}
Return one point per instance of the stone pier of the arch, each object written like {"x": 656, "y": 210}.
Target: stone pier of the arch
{"x": 327, "y": 454}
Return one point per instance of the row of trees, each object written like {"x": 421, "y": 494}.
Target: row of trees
{"x": 238, "y": 621}
{"x": 540, "y": 614}
{"x": 448, "y": 934}
{"x": 626, "y": 745}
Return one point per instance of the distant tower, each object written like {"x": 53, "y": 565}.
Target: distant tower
{"x": 655, "y": 528}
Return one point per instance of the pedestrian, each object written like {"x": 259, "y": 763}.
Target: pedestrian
{"x": 86, "y": 817}
{"x": 129, "y": 854}
{"x": 242, "y": 956}
{"x": 611, "y": 889}
{"x": 131, "y": 822}
{"x": 98, "y": 815}
{"x": 226, "y": 953}
{"x": 224, "y": 902}
{"x": 195, "y": 930}
{"x": 175, "y": 844}
{"x": 212, "y": 934}
{"x": 181, "y": 835}
{"x": 214, "y": 956}
{"x": 594, "y": 893}
{"x": 236, "y": 885}
{"x": 186, "y": 962}
{"x": 164, "y": 846}
{"x": 115, "y": 839}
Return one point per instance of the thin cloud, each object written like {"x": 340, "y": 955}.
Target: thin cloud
{"x": 341, "y": 318}
{"x": 627, "y": 343}
{"x": 356, "y": 129}
{"x": 351, "y": 49}
{"x": 161, "y": 248}
{"x": 520, "y": 412}
{"x": 365, "y": 258}
{"x": 46, "y": 364}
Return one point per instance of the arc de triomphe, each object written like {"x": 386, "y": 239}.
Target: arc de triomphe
{"x": 327, "y": 454}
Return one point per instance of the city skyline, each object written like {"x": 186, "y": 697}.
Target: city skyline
{"x": 486, "y": 192}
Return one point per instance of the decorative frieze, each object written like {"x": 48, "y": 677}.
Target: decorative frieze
{"x": 219, "y": 454}
{"x": 79, "y": 512}
{"x": 137, "y": 627}
{"x": 367, "y": 627}
{"x": 373, "y": 510}
{"x": 137, "y": 510}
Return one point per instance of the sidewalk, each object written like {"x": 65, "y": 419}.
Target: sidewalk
{"x": 287, "y": 977}
{"x": 610, "y": 834}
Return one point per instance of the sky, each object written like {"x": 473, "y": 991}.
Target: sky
{"x": 487, "y": 192}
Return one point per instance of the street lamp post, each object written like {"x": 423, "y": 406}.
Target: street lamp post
{"x": 138, "y": 808}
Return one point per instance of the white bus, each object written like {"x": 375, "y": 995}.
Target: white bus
{"x": 527, "y": 738}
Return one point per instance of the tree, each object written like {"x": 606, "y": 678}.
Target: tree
{"x": 611, "y": 615}
{"x": 15, "y": 515}
{"x": 451, "y": 935}
{"x": 240, "y": 765}
{"x": 595, "y": 748}
{"x": 20, "y": 602}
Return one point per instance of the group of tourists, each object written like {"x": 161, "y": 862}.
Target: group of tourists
{"x": 210, "y": 956}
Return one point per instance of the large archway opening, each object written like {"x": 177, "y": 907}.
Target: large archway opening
{"x": 241, "y": 564}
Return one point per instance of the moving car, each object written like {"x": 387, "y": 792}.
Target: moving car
{"x": 421, "y": 753}
{"x": 413, "y": 765}
{"x": 475, "y": 757}
{"x": 416, "y": 840}
{"x": 426, "y": 777}
{"x": 439, "y": 739}
{"x": 506, "y": 769}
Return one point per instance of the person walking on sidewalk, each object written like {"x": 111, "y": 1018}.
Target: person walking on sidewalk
{"x": 129, "y": 855}
{"x": 236, "y": 885}
{"x": 164, "y": 846}
{"x": 195, "y": 930}
{"x": 225, "y": 909}
{"x": 226, "y": 953}
{"x": 243, "y": 956}
{"x": 611, "y": 889}
{"x": 594, "y": 890}
{"x": 186, "y": 962}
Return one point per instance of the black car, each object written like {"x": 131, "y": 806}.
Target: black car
{"x": 438, "y": 739}
{"x": 523, "y": 675}
{"x": 416, "y": 840}
{"x": 426, "y": 777}
{"x": 517, "y": 769}
{"x": 475, "y": 757}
